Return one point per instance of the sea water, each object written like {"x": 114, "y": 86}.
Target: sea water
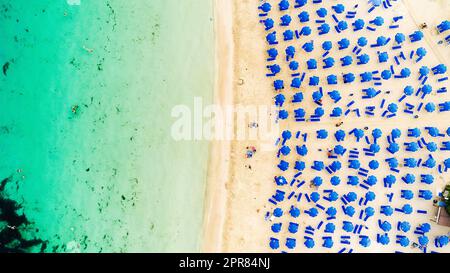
{"x": 85, "y": 121}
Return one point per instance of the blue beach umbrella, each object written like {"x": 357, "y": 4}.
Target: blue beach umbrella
{"x": 354, "y": 164}
{"x": 279, "y": 100}
{"x": 319, "y": 111}
{"x": 336, "y": 165}
{"x": 339, "y": 8}
{"x": 386, "y": 74}
{"x": 340, "y": 135}
{"x": 297, "y": 97}
{"x": 351, "y": 196}
{"x": 286, "y": 135}
{"x": 277, "y": 212}
{"x": 333, "y": 196}
{"x": 290, "y": 51}
{"x": 309, "y": 243}
{"x": 284, "y": 5}
{"x": 362, "y": 42}
{"x": 349, "y": 77}
{"x": 280, "y": 180}
{"x": 430, "y": 107}
{"x": 400, "y": 38}
{"x": 313, "y": 212}
{"x": 317, "y": 181}
{"x": 344, "y": 43}
{"x": 348, "y": 226}
{"x": 377, "y": 133}
{"x": 328, "y": 243}
{"x": 374, "y": 148}
{"x": 303, "y": 16}
{"x": 432, "y": 147}
{"x": 335, "y": 180}
{"x": 442, "y": 241}
{"x": 302, "y": 150}
{"x": 412, "y": 147}
{"x": 425, "y": 227}
{"x": 276, "y": 227}
{"x": 322, "y": 12}
{"x": 365, "y": 241}
{"x": 342, "y": 25}
{"x": 301, "y": 3}
{"x": 311, "y": 64}
{"x": 396, "y": 133}
{"x": 378, "y": 21}
{"x": 278, "y": 84}
{"x": 293, "y": 227}
{"x": 327, "y": 45}
{"x": 358, "y": 24}
{"x": 403, "y": 241}
{"x": 293, "y": 65}
{"x": 421, "y": 52}
{"x": 274, "y": 243}
{"x": 324, "y": 28}
{"x": 407, "y": 209}
{"x": 291, "y": 243}
{"x": 294, "y": 212}
{"x": 300, "y": 113}
{"x": 336, "y": 112}
{"x": 322, "y": 134}
{"x": 385, "y": 226}
{"x": 423, "y": 240}
{"x": 285, "y": 150}
{"x": 407, "y": 194}
{"x": 285, "y": 20}
{"x": 315, "y": 196}
{"x": 339, "y": 150}
{"x": 331, "y": 211}
{"x": 404, "y": 226}
{"x": 424, "y": 70}
{"x": 317, "y": 95}
{"x": 346, "y": 60}
{"x": 283, "y": 114}
{"x": 374, "y": 164}
{"x": 349, "y": 210}
{"x": 328, "y": 62}
{"x": 308, "y": 47}
{"x": 387, "y": 210}
{"x": 269, "y": 23}
{"x": 330, "y": 228}
{"x": 370, "y": 196}
{"x": 409, "y": 178}
{"x": 266, "y": 7}
{"x": 283, "y": 165}
{"x": 273, "y": 53}
{"x": 415, "y": 132}
{"x": 384, "y": 239}
{"x": 383, "y": 57}
{"x": 299, "y": 165}
{"x": 335, "y": 95}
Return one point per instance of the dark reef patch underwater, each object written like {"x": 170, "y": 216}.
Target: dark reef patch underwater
{"x": 15, "y": 229}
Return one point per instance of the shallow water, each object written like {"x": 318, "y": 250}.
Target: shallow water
{"x": 107, "y": 178}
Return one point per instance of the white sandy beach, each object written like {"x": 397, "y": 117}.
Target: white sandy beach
{"x": 236, "y": 195}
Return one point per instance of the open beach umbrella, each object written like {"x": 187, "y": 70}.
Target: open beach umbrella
{"x": 424, "y": 70}
{"x": 284, "y": 5}
{"x": 407, "y": 194}
{"x": 269, "y": 23}
{"x": 415, "y": 132}
{"x": 311, "y": 64}
{"x": 331, "y": 211}
{"x": 412, "y": 147}
{"x": 349, "y": 77}
{"x": 283, "y": 114}
{"x": 426, "y": 89}
{"x": 302, "y": 150}
{"x": 280, "y": 180}
{"x": 427, "y": 179}
{"x": 330, "y": 228}
{"x": 328, "y": 62}
{"x": 283, "y": 165}
{"x": 274, "y": 243}
{"x": 423, "y": 240}
{"x": 374, "y": 148}
{"x": 348, "y": 226}
{"x": 342, "y": 25}
{"x": 291, "y": 243}
{"x": 439, "y": 69}
{"x": 359, "y": 133}
{"x": 353, "y": 180}
{"x": 339, "y": 8}
{"x": 416, "y": 36}
{"x": 351, "y": 196}
{"x": 328, "y": 243}
{"x": 308, "y": 47}
{"x": 408, "y": 90}
{"x": 421, "y": 52}
{"x": 313, "y": 212}
{"x": 322, "y": 12}
{"x": 327, "y": 45}
{"x": 378, "y": 21}
{"x": 407, "y": 209}
{"x": 403, "y": 241}
{"x": 285, "y": 20}
{"x": 285, "y": 150}
{"x": 365, "y": 241}
{"x": 288, "y": 35}
{"x": 387, "y": 210}
{"x": 335, "y": 180}
{"x": 273, "y": 53}
{"x": 279, "y": 100}
{"x": 278, "y": 84}
{"x": 347, "y": 60}
{"x": 319, "y": 112}
{"x": 433, "y": 131}
{"x": 370, "y": 92}
{"x": 297, "y": 97}
{"x": 383, "y": 57}
{"x": 294, "y": 212}
{"x": 314, "y": 81}
{"x": 443, "y": 26}
{"x": 377, "y": 133}
{"x": 301, "y": 3}
{"x": 336, "y": 112}
{"x": 430, "y": 107}
{"x": 369, "y": 211}
{"x": 432, "y": 147}
{"x": 333, "y": 196}
{"x": 400, "y": 38}
{"x": 317, "y": 181}
{"x": 384, "y": 239}
{"x": 340, "y": 135}
{"x": 358, "y": 25}
{"x": 286, "y": 135}
{"x": 309, "y": 243}
{"x": 375, "y": 3}
{"x": 430, "y": 163}
{"x": 315, "y": 196}
{"x": 290, "y": 51}
{"x": 276, "y": 227}
{"x": 386, "y": 74}
{"x": 362, "y": 42}
{"x": 426, "y": 194}
{"x": 396, "y": 133}
{"x": 393, "y": 107}
{"x": 354, "y": 164}
{"x": 317, "y": 95}
{"x": 372, "y": 180}
{"x": 349, "y": 210}
{"x": 299, "y": 165}
{"x": 336, "y": 165}
{"x": 293, "y": 65}
{"x": 300, "y": 113}
{"x": 335, "y": 95}
{"x": 344, "y": 43}
{"x": 381, "y": 41}
{"x": 370, "y": 196}
{"x": 385, "y": 226}
{"x": 373, "y": 164}
{"x": 324, "y": 28}
{"x": 266, "y": 7}
{"x": 271, "y": 38}
{"x": 425, "y": 227}
{"x": 339, "y": 149}
{"x": 404, "y": 226}
{"x": 303, "y": 16}
{"x": 306, "y": 31}
{"x": 322, "y": 134}
{"x": 293, "y": 227}
{"x": 442, "y": 241}
{"x": 447, "y": 163}
{"x": 393, "y": 162}
{"x": 277, "y": 212}
{"x": 410, "y": 162}
{"x": 409, "y": 178}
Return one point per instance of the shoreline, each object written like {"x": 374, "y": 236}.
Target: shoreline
{"x": 219, "y": 163}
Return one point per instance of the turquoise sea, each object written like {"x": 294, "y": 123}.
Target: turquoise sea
{"x": 85, "y": 148}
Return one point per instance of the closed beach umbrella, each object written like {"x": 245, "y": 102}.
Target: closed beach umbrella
{"x": 373, "y": 164}
{"x": 335, "y": 180}
{"x": 274, "y": 243}
{"x": 291, "y": 243}
{"x": 299, "y": 165}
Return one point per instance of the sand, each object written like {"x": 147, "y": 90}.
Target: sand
{"x": 237, "y": 196}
